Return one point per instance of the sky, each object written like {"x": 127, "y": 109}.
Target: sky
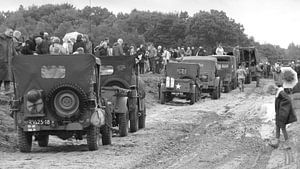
{"x": 268, "y": 21}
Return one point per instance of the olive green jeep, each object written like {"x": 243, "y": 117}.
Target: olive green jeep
{"x": 210, "y": 80}
{"x": 58, "y": 95}
{"x": 121, "y": 85}
{"x": 181, "y": 80}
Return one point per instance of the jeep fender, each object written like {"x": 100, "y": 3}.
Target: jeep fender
{"x": 121, "y": 105}
{"x": 116, "y": 82}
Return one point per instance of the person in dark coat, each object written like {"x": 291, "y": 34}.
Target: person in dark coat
{"x": 284, "y": 111}
{"x": 7, "y": 51}
{"x": 79, "y": 43}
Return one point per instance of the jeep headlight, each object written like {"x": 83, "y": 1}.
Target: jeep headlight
{"x": 34, "y": 103}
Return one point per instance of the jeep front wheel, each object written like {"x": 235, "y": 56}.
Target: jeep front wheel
{"x": 43, "y": 140}
{"x": 24, "y": 140}
{"x": 93, "y": 137}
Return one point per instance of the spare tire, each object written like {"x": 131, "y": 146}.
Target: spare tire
{"x": 67, "y": 100}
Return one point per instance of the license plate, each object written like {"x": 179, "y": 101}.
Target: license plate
{"x": 39, "y": 122}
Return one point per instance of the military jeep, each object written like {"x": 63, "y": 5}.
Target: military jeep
{"x": 181, "y": 80}
{"x": 121, "y": 85}
{"x": 58, "y": 95}
{"x": 227, "y": 71}
{"x": 211, "y": 82}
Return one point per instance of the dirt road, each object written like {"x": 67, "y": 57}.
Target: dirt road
{"x": 228, "y": 133}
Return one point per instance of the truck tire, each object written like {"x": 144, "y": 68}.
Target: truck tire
{"x": 162, "y": 97}
{"x": 93, "y": 137}
{"x": 134, "y": 120}
{"x": 123, "y": 124}
{"x": 24, "y": 140}
{"x": 106, "y": 133}
{"x": 142, "y": 119}
{"x": 193, "y": 98}
{"x": 216, "y": 93}
{"x": 106, "y": 130}
{"x": 43, "y": 140}
{"x": 227, "y": 89}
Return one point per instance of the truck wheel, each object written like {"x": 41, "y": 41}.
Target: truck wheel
{"x": 142, "y": 119}
{"x": 43, "y": 140}
{"x": 123, "y": 124}
{"x": 106, "y": 130}
{"x": 134, "y": 120}
{"x": 227, "y": 88}
{"x": 106, "y": 133}
{"x": 93, "y": 137}
{"x": 162, "y": 97}
{"x": 24, "y": 140}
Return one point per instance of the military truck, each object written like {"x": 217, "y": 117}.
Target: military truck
{"x": 121, "y": 85}
{"x": 211, "y": 82}
{"x": 227, "y": 71}
{"x": 248, "y": 57}
{"x": 58, "y": 95}
{"x": 181, "y": 80}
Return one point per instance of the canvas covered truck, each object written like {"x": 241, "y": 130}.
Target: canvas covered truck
{"x": 248, "y": 57}
{"x": 227, "y": 71}
{"x": 121, "y": 85}
{"x": 181, "y": 80}
{"x": 58, "y": 95}
{"x": 210, "y": 80}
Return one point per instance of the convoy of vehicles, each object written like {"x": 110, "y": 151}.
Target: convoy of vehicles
{"x": 82, "y": 96}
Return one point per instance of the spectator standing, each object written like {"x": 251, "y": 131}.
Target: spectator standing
{"x": 200, "y": 51}
{"x": 56, "y": 48}
{"x": 258, "y": 73}
{"x": 159, "y": 60}
{"x": 88, "y": 44}
{"x": 126, "y": 49}
{"x": 17, "y": 41}
{"x": 7, "y": 52}
{"x": 152, "y": 57}
{"x": 188, "y": 51}
{"x": 241, "y": 75}
{"x": 220, "y": 50}
{"x": 277, "y": 75}
{"x": 118, "y": 48}
{"x": 102, "y": 49}
{"x": 79, "y": 43}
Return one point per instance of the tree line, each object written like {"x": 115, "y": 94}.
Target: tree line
{"x": 204, "y": 28}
